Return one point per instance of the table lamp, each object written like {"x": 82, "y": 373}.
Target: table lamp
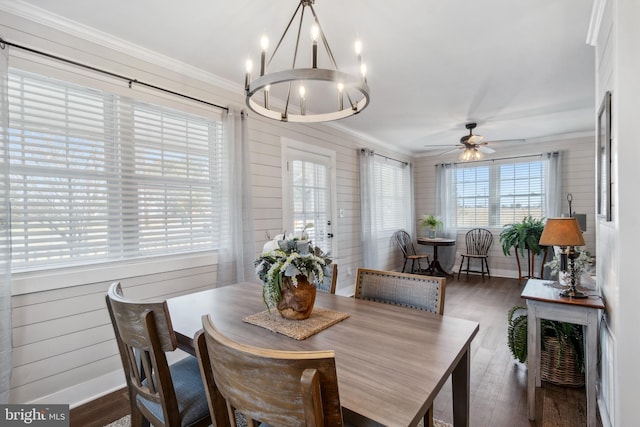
{"x": 565, "y": 232}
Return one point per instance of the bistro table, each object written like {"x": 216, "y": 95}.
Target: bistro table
{"x": 435, "y": 268}
{"x": 391, "y": 361}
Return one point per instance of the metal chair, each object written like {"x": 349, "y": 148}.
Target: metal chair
{"x": 274, "y": 387}
{"x": 479, "y": 242}
{"x": 403, "y": 240}
{"x": 166, "y": 395}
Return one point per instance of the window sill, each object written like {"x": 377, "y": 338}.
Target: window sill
{"x": 59, "y": 278}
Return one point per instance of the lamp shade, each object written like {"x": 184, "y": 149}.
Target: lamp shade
{"x": 561, "y": 232}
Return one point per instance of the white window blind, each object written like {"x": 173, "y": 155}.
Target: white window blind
{"x": 97, "y": 177}
{"x": 392, "y": 195}
{"x": 499, "y": 193}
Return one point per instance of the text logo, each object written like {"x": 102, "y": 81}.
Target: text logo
{"x": 34, "y": 415}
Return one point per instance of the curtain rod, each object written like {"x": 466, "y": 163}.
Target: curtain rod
{"x": 501, "y": 158}
{"x": 131, "y": 81}
{"x": 383, "y": 156}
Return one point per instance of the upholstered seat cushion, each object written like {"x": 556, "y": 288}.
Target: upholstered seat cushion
{"x": 187, "y": 382}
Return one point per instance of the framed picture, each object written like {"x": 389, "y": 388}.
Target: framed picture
{"x": 603, "y": 164}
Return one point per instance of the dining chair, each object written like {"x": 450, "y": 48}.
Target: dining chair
{"x": 273, "y": 387}
{"x": 407, "y": 290}
{"x": 478, "y": 242}
{"x": 330, "y": 280}
{"x": 165, "y": 395}
{"x": 404, "y": 242}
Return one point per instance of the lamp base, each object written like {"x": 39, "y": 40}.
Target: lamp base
{"x": 573, "y": 293}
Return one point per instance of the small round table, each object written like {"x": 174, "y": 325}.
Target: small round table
{"x": 435, "y": 266}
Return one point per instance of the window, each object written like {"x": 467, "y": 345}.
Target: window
{"x": 391, "y": 183}
{"x": 96, "y": 176}
{"x": 308, "y": 180}
{"x": 499, "y": 193}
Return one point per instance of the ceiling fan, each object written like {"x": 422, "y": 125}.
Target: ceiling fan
{"x": 473, "y": 146}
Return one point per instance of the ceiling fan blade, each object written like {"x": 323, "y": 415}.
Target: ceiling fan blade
{"x": 450, "y": 151}
{"x": 486, "y": 149}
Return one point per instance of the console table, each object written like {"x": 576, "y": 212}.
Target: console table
{"x": 544, "y": 302}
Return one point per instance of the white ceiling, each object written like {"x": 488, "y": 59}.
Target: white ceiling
{"x": 521, "y": 69}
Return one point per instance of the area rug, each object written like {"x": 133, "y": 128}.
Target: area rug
{"x": 124, "y": 422}
{"x": 321, "y": 319}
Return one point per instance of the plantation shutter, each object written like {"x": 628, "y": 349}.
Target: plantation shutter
{"x": 96, "y": 176}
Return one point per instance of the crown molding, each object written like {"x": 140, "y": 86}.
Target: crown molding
{"x": 40, "y": 16}
{"x": 597, "y": 12}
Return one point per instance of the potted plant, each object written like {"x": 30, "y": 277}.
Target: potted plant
{"x": 562, "y": 347}
{"x": 432, "y": 222}
{"x": 523, "y": 236}
{"x": 290, "y": 268}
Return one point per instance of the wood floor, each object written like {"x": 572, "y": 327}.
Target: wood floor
{"x": 498, "y": 382}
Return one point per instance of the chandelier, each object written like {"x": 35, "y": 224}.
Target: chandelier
{"x": 311, "y": 92}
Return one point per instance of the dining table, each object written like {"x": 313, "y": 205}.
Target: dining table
{"x": 391, "y": 361}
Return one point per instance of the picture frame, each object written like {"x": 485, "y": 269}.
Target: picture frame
{"x": 603, "y": 163}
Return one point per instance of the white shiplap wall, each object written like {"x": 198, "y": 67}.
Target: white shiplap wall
{"x": 578, "y": 164}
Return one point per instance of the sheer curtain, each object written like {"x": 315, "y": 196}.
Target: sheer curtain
{"x": 446, "y": 210}
{"x": 5, "y": 242}
{"x": 237, "y": 247}
{"x": 553, "y": 184}
{"x": 368, "y": 209}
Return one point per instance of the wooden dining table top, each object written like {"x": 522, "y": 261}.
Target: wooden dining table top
{"x": 391, "y": 361}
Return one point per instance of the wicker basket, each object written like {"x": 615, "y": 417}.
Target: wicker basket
{"x": 559, "y": 371}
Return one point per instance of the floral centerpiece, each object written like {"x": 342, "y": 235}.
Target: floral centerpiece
{"x": 287, "y": 267}
{"x": 581, "y": 263}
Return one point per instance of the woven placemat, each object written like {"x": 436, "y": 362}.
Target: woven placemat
{"x": 320, "y": 319}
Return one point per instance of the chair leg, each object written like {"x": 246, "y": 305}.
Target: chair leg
{"x": 482, "y": 268}
{"x": 460, "y": 269}
{"x": 468, "y": 259}
{"x": 487, "y": 264}
{"x": 428, "y": 417}
{"x": 404, "y": 265}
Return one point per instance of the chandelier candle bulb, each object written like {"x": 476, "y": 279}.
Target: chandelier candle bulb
{"x": 302, "y": 103}
{"x": 340, "y": 98}
{"x": 315, "y": 32}
{"x": 264, "y": 44}
{"x": 358, "y": 48}
{"x": 247, "y": 79}
{"x": 266, "y": 96}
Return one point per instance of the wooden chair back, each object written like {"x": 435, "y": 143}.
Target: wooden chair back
{"x": 478, "y": 241}
{"x": 404, "y": 242}
{"x": 408, "y": 290}
{"x": 279, "y": 388}
{"x": 144, "y": 333}
{"x": 330, "y": 280}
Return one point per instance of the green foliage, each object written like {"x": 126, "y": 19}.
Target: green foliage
{"x": 522, "y": 235}
{"x": 430, "y": 221}
{"x": 567, "y": 334}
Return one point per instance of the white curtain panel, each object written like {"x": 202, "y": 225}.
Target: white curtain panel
{"x": 5, "y": 242}
{"x": 553, "y": 184}
{"x": 368, "y": 209}
{"x": 236, "y": 252}
{"x": 446, "y": 210}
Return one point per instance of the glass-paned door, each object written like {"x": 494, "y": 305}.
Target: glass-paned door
{"x": 308, "y": 178}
